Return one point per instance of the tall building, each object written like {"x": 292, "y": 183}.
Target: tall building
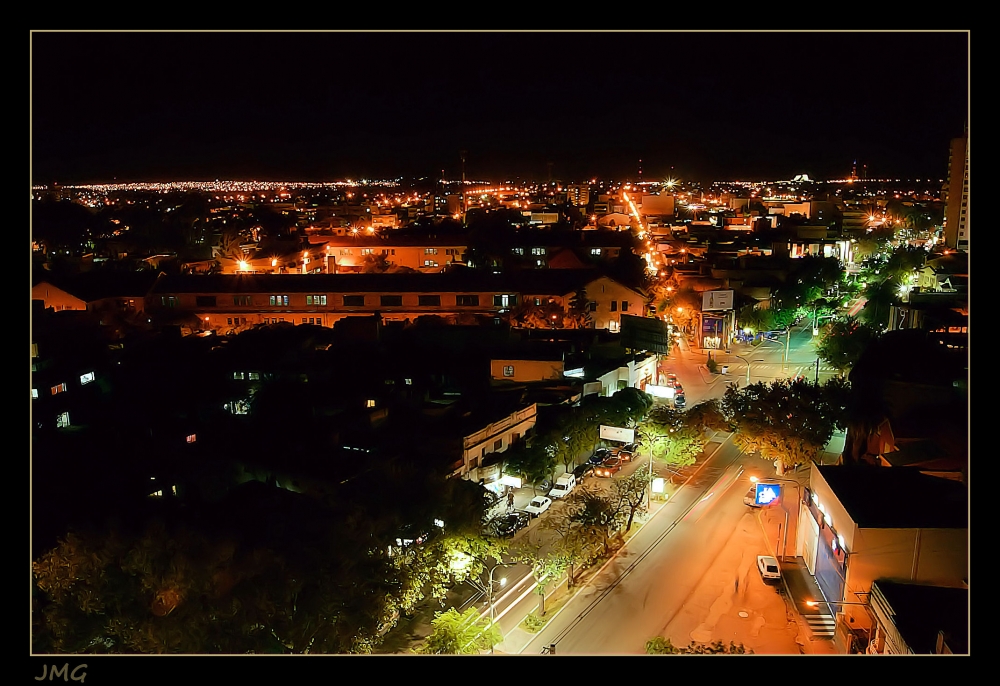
{"x": 956, "y": 214}
{"x": 579, "y": 194}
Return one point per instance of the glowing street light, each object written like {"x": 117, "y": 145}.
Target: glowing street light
{"x": 461, "y": 560}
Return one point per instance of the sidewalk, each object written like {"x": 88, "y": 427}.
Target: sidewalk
{"x": 798, "y": 585}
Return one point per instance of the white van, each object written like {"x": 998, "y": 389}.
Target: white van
{"x": 564, "y": 484}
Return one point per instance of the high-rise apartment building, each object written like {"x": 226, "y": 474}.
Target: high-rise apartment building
{"x": 956, "y": 214}
{"x": 578, "y": 194}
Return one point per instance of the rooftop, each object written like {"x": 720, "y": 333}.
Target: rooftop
{"x": 897, "y": 498}
{"x": 921, "y": 611}
{"x": 534, "y": 282}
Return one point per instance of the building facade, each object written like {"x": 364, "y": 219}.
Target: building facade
{"x": 956, "y": 215}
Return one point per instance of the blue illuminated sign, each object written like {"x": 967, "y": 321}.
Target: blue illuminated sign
{"x": 765, "y": 494}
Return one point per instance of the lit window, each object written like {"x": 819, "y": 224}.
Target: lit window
{"x": 192, "y": 438}
{"x": 34, "y": 393}
{"x": 370, "y": 402}
{"x": 508, "y": 370}
{"x": 239, "y": 375}
{"x": 156, "y": 494}
{"x": 58, "y": 388}
{"x": 86, "y": 378}
{"x": 254, "y": 376}
{"x": 62, "y": 420}
{"x": 595, "y": 251}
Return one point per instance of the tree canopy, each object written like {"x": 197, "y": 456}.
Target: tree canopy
{"x": 785, "y": 421}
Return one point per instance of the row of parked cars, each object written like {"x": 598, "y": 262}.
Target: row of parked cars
{"x": 679, "y": 399}
{"x": 605, "y": 462}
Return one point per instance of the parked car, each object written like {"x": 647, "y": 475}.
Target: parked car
{"x": 623, "y": 454}
{"x": 750, "y": 499}
{"x": 671, "y": 380}
{"x": 538, "y": 505}
{"x": 599, "y": 456}
{"x": 509, "y": 523}
{"x": 609, "y": 467}
{"x": 583, "y": 470}
{"x": 680, "y": 400}
{"x": 768, "y": 568}
{"x": 564, "y": 484}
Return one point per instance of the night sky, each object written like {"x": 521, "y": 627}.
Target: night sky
{"x": 170, "y": 106}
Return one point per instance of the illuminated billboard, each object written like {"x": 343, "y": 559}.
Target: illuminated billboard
{"x": 716, "y": 300}
{"x": 617, "y": 433}
{"x": 767, "y": 494}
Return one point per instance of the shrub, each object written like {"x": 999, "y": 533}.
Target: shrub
{"x": 534, "y": 623}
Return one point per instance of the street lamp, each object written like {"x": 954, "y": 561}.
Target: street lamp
{"x": 815, "y": 603}
{"x": 748, "y": 367}
{"x": 868, "y": 610}
{"x": 489, "y": 590}
{"x": 798, "y": 496}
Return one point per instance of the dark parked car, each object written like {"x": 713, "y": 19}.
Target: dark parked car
{"x": 509, "y": 523}
{"x": 582, "y": 471}
{"x": 599, "y": 456}
{"x": 680, "y": 400}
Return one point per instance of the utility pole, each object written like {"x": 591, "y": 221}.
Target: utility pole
{"x": 464, "y": 208}
{"x": 784, "y": 354}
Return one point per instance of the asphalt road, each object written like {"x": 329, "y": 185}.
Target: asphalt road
{"x": 648, "y": 582}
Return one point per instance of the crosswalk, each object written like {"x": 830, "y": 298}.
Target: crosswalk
{"x": 821, "y": 625}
